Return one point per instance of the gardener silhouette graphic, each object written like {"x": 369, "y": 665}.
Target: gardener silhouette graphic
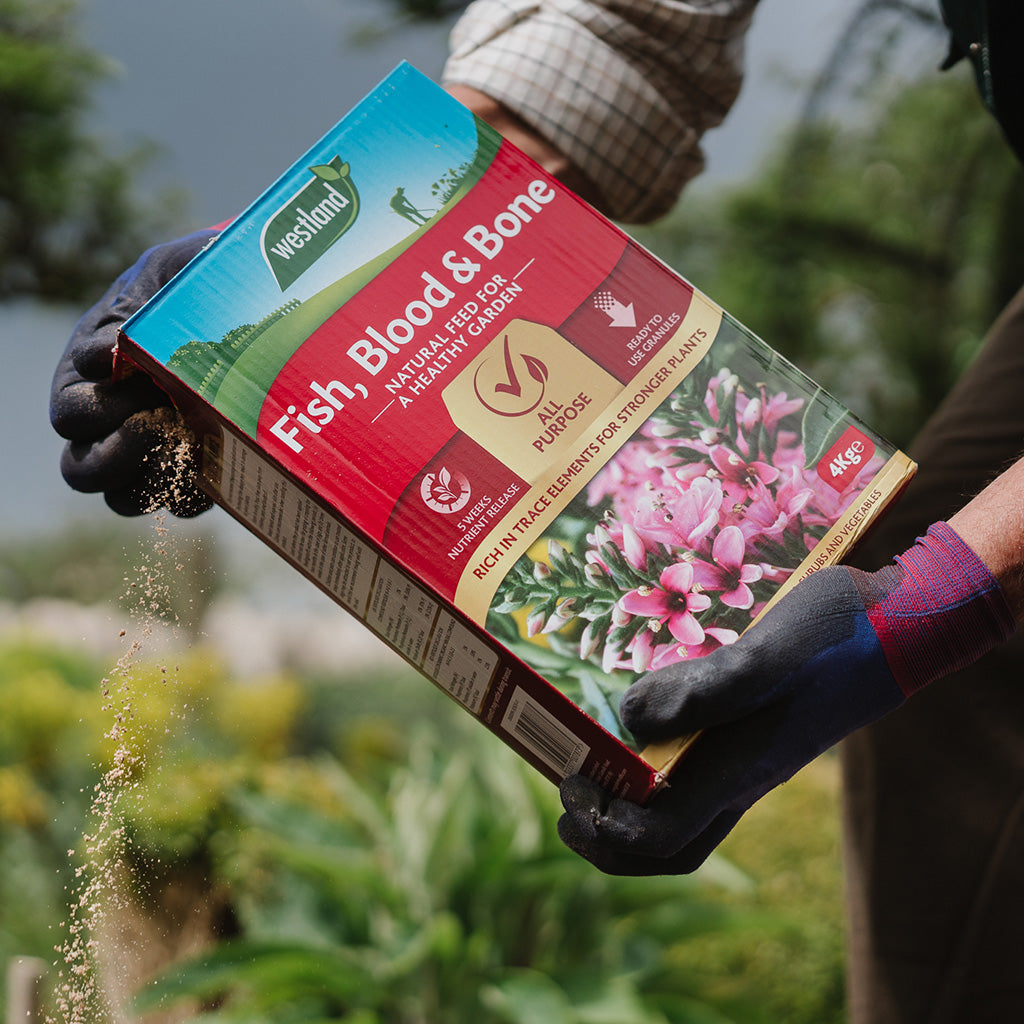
{"x": 404, "y": 208}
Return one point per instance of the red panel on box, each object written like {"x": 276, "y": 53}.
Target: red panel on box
{"x": 845, "y": 459}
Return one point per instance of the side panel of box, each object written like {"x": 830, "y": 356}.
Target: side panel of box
{"x": 510, "y": 698}
{"x": 471, "y": 667}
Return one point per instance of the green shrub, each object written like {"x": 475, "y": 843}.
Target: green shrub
{"x": 441, "y": 893}
{"x": 366, "y": 852}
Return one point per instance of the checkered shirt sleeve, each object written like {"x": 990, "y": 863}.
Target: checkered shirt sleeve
{"x": 624, "y": 88}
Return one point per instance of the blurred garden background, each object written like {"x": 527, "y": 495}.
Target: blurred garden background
{"x": 223, "y": 800}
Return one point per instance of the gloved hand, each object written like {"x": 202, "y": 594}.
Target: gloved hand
{"x": 843, "y": 648}
{"x": 124, "y": 438}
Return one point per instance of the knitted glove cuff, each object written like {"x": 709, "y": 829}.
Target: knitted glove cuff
{"x": 944, "y": 611}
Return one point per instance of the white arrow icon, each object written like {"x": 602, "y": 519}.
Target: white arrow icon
{"x": 618, "y": 314}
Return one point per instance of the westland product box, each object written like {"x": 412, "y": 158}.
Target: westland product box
{"x": 528, "y": 455}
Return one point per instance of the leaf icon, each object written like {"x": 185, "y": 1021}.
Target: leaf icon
{"x": 333, "y": 171}
{"x": 325, "y": 171}
{"x": 538, "y": 371}
{"x": 444, "y": 478}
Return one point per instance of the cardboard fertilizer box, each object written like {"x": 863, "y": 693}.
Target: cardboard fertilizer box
{"x": 530, "y": 457}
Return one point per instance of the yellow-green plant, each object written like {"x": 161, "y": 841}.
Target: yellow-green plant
{"x": 366, "y": 876}
{"x": 440, "y": 893}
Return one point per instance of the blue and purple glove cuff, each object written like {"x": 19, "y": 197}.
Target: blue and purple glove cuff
{"x": 939, "y": 610}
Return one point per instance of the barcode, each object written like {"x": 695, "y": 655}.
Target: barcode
{"x": 543, "y": 735}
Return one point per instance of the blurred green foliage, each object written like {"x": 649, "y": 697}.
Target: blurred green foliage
{"x": 428, "y": 10}
{"x": 68, "y": 221}
{"x": 173, "y": 576}
{"x": 437, "y": 893}
{"x": 874, "y": 253}
{"x": 372, "y": 854}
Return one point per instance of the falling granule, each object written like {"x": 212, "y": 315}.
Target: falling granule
{"x": 80, "y": 996}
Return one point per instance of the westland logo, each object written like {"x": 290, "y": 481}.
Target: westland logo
{"x": 310, "y": 222}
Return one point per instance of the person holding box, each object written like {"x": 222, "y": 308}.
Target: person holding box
{"x": 912, "y": 654}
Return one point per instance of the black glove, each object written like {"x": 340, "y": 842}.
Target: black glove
{"x": 842, "y": 649}
{"x": 124, "y": 437}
